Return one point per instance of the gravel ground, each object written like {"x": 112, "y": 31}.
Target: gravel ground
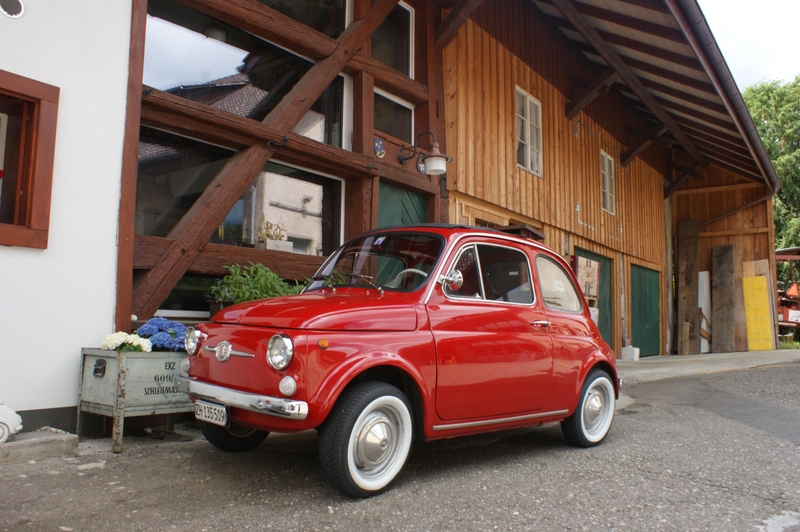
{"x": 668, "y": 464}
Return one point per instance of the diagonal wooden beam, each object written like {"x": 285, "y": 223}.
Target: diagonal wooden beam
{"x": 275, "y": 27}
{"x": 568, "y": 10}
{"x": 596, "y": 88}
{"x": 655, "y": 138}
{"x": 678, "y": 180}
{"x": 190, "y": 235}
{"x": 639, "y": 146}
{"x": 299, "y": 100}
{"x": 449, "y": 27}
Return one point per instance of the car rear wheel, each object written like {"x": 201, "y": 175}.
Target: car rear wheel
{"x": 590, "y": 422}
{"x": 233, "y": 439}
{"x": 5, "y": 432}
{"x": 366, "y": 439}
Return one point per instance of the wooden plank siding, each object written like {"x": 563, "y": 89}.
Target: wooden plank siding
{"x": 565, "y": 203}
{"x": 721, "y": 191}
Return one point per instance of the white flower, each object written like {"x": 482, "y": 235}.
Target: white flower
{"x": 113, "y": 341}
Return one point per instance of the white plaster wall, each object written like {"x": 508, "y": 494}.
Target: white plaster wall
{"x": 57, "y": 300}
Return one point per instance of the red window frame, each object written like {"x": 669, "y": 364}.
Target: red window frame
{"x": 36, "y": 175}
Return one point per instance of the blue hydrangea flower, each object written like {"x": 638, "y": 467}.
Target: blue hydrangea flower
{"x": 164, "y": 334}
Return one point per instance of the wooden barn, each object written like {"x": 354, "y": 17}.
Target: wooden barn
{"x": 611, "y": 128}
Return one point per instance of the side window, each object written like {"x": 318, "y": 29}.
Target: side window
{"x": 494, "y": 273}
{"x": 467, "y": 264}
{"x": 558, "y": 291}
{"x": 505, "y": 275}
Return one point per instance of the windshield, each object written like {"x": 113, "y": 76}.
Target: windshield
{"x": 392, "y": 261}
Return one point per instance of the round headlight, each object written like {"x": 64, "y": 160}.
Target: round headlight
{"x": 280, "y": 351}
{"x": 192, "y": 337}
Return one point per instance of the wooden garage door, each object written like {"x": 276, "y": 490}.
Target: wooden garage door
{"x": 398, "y": 206}
{"x": 645, "y": 311}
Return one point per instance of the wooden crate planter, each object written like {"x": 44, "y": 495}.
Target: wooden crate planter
{"x": 123, "y": 384}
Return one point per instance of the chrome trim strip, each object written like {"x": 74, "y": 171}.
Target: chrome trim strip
{"x": 498, "y": 421}
{"x": 263, "y": 404}
{"x": 233, "y": 353}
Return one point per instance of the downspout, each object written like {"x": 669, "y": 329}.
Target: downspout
{"x": 693, "y": 24}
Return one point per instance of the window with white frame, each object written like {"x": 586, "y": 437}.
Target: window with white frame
{"x": 529, "y": 132}
{"x": 392, "y": 43}
{"x": 607, "y": 171}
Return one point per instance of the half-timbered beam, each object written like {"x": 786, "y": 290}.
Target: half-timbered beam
{"x": 639, "y": 146}
{"x": 149, "y": 251}
{"x": 267, "y": 23}
{"x": 593, "y": 90}
{"x": 190, "y": 234}
{"x": 449, "y": 27}
{"x": 685, "y": 170}
{"x": 567, "y": 8}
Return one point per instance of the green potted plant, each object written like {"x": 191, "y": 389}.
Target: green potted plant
{"x": 248, "y": 283}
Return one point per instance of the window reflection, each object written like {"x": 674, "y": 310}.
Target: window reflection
{"x": 202, "y": 59}
{"x": 391, "y": 42}
{"x": 392, "y": 118}
{"x": 326, "y": 16}
{"x": 284, "y": 208}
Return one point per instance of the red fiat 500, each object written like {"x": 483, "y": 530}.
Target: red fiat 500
{"x": 423, "y": 332}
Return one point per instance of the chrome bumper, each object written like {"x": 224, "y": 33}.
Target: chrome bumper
{"x": 248, "y": 401}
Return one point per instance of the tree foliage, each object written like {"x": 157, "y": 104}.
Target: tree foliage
{"x": 775, "y": 108}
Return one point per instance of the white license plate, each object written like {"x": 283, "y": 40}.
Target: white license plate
{"x": 216, "y": 414}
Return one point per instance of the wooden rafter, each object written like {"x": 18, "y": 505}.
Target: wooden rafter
{"x": 262, "y": 21}
{"x": 632, "y": 44}
{"x": 190, "y": 234}
{"x": 593, "y": 90}
{"x": 639, "y": 146}
{"x": 627, "y": 21}
{"x": 685, "y": 96}
{"x": 654, "y": 5}
{"x": 567, "y": 8}
{"x": 449, "y": 27}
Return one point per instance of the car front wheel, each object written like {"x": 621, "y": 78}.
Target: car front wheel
{"x": 366, "y": 439}
{"x": 233, "y": 439}
{"x": 590, "y": 422}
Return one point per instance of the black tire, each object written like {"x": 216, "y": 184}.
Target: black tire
{"x": 591, "y": 421}
{"x": 234, "y": 439}
{"x": 366, "y": 439}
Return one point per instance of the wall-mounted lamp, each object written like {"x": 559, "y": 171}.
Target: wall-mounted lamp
{"x": 435, "y": 161}
{"x": 215, "y": 32}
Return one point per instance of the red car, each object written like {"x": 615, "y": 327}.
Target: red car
{"x": 417, "y": 332}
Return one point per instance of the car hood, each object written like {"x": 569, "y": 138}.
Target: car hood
{"x": 325, "y": 311}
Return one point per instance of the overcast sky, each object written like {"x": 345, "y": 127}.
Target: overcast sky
{"x": 758, "y": 39}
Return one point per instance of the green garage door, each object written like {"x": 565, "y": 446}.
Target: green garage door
{"x": 398, "y": 206}
{"x": 604, "y": 301}
{"x": 645, "y": 311}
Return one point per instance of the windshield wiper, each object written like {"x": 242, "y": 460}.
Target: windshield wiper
{"x": 368, "y": 280}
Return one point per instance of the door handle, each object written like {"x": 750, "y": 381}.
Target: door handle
{"x": 540, "y": 323}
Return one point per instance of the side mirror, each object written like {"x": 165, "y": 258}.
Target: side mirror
{"x": 453, "y": 280}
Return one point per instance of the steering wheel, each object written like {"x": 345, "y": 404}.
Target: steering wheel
{"x": 395, "y": 282}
